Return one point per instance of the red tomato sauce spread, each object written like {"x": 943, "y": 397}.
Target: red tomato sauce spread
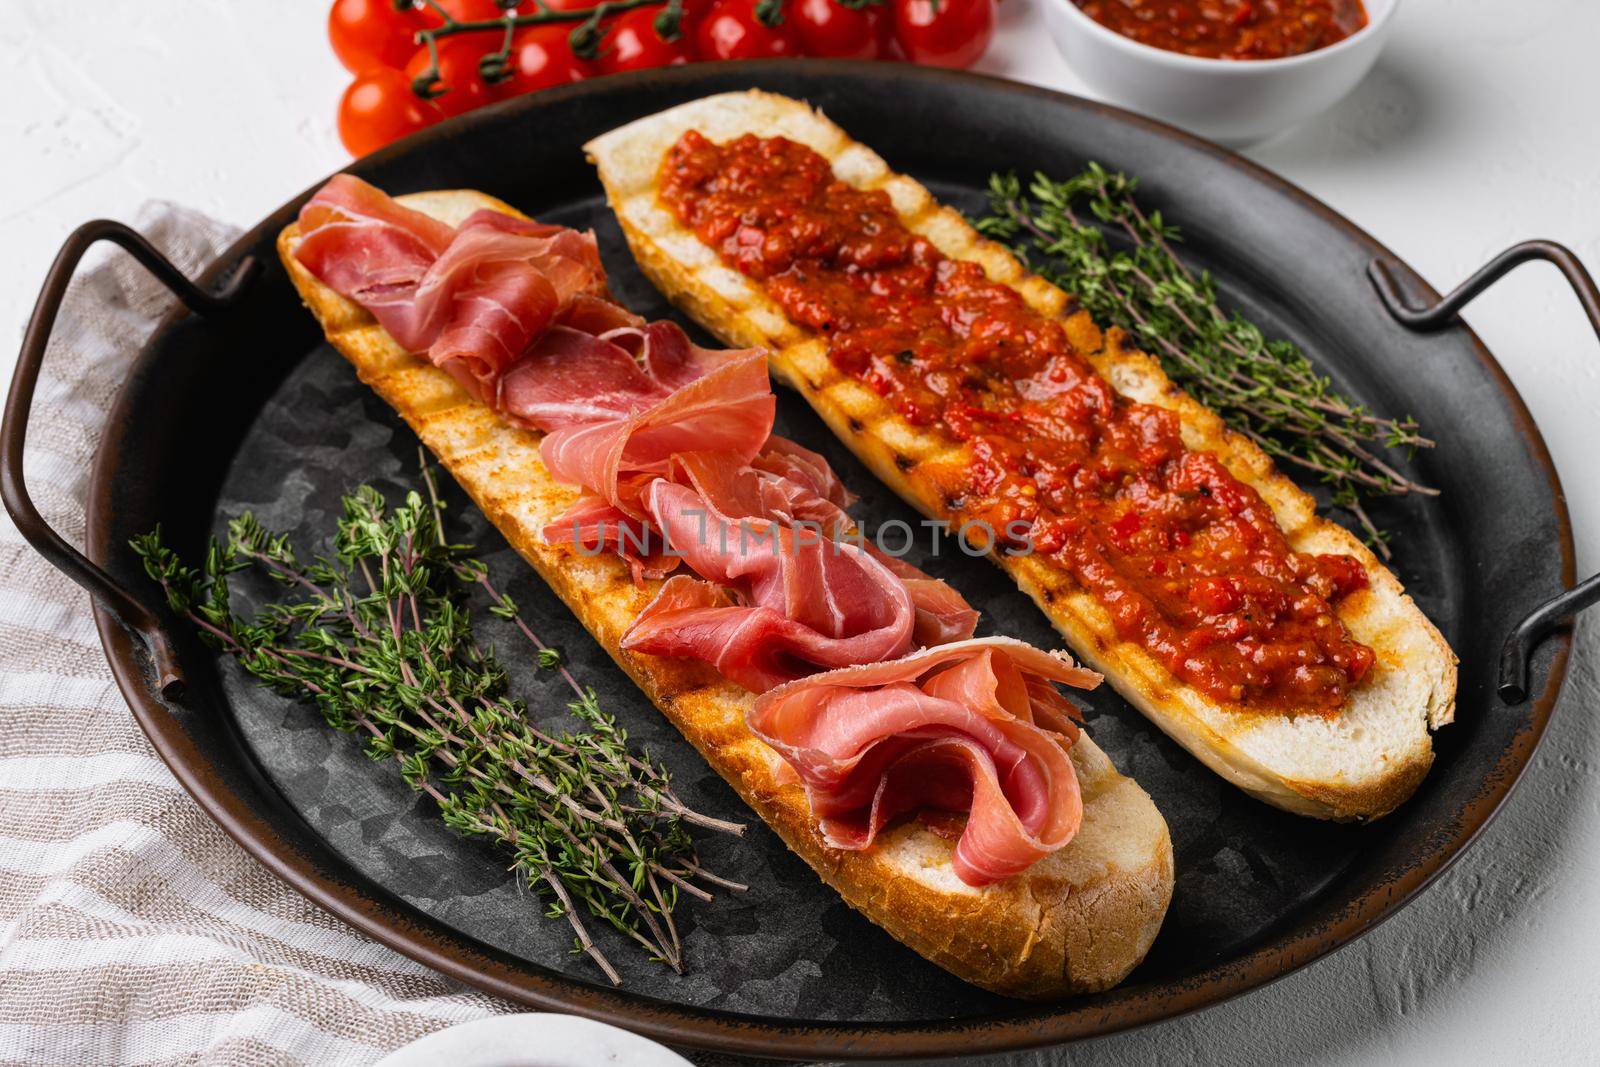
{"x": 1231, "y": 29}
{"x": 1189, "y": 561}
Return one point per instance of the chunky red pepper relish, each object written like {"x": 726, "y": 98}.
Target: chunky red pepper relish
{"x": 1189, "y": 561}
{"x": 1231, "y": 29}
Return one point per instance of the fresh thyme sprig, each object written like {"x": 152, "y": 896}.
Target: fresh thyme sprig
{"x": 1265, "y": 389}
{"x": 378, "y": 638}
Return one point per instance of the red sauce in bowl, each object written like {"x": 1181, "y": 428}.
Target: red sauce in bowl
{"x": 1231, "y": 29}
{"x": 1188, "y": 561}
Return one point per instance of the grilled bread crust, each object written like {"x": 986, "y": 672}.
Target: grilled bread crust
{"x": 1077, "y": 921}
{"x": 1359, "y": 765}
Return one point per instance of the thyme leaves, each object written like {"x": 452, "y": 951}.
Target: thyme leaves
{"x": 379, "y": 636}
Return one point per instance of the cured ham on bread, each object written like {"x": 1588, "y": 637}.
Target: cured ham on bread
{"x": 1164, "y": 547}
{"x": 773, "y": 604}
{"x": 971, "y": 726}
{"x": 1084, "y": 907}
{"x": 461, "y": 294}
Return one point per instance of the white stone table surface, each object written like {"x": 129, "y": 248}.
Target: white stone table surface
{"x": 1477, "y": 128}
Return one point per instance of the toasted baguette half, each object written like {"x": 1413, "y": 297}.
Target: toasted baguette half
{"x": 1077, "y": 921}
{"x": 1359, "y": 765}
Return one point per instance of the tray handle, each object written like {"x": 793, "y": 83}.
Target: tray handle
{"x": 127, "y": 607}
{"x": 1527, "y": 634}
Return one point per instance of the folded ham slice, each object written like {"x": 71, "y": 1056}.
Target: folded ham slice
{"x": 594, "y": 525}
{"x": 777, "y": 602}
{"x": 473, "y": 297}
{"x": 784, "y": 459}
{"x": 943, "y": 615}
{"x": 501, "y": 284}
{"x": 728, "y": 410}
{"x": 571, "y": 378}
{"x": 667, "y": 354}
{"x": 367, "y": 246}
{"x": 756, "y": 491}
{"x": 974, "y": 726}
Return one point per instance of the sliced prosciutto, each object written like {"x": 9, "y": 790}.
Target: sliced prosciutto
{"x": 472, "y": 297}
{"x": 782, "y": 458}
{"x": 501, "y": 284}
{"x": 776, "y": 602}
{"x": 726, "y": 410}
{"x": 667, "y": 354}
{"x": 621, "y": 421}
{"x": 365, "y": 245}
{"x": 594, "y": 525}
{"x": 973, "y": 727}
{"x": 942, "y": 614}
{"x": 754, "y": 491}
{"x": 571, "y": 378}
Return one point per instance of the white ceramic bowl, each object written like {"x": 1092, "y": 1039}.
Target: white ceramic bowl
{"x": 1236, "y": 102}
{"x": 533, "y": 1039}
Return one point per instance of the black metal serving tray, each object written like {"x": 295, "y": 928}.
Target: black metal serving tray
{"x": 242, "y": 405}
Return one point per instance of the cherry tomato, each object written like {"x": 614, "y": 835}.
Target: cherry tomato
{"x": 733, "y": 29}
{"x": 380, "y": 107}
{"x": 695, "y": 10}
{"x": 467, "y": 11}
{"x": 829, "y": 28}
{"x": 371, "y": 33}
{"x": 541, "y": 58}
{"x": 463, "y": 87}
{"x": 571, "y": 5}
{"x": 944, "y": 33}
{"x": 634, "y": 44}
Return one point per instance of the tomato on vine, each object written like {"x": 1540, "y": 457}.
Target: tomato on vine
{"x": 372, "y": 33}
{"x": 944, "y": 33}
{"x": 464, "y": 11}
{"x": 841, "y": 29}
{"x": 460, "y": 85}
{"x": 693, "y": 12}
{"x": 745, "y": 29}
{"x": 558, "y": 41}
{"x": 635, "y": 42}
{"x": 541, "y": 57}
{"x": 380, "y": 107}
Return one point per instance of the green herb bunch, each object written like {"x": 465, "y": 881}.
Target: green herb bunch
{"x": 1122, "y": 268}
{"x": 378, "y": 638}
